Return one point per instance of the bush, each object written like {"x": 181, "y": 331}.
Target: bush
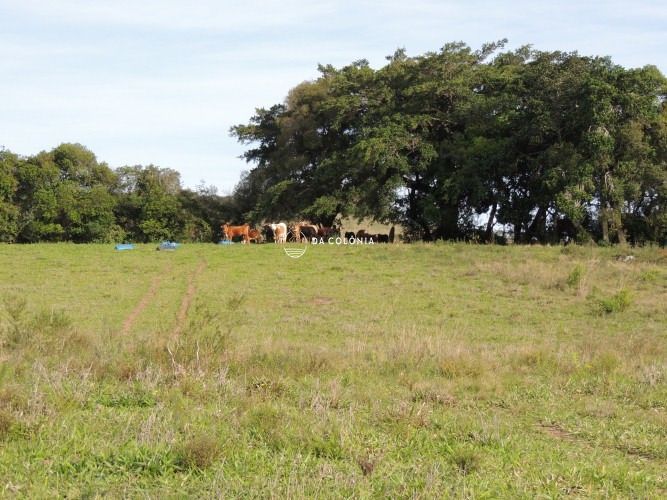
{"x": 15, "y": 330}
{"x": 466, "y": 460}
{"x": 575, "y": 276}
{"x": 6, "y": 422}
{"x": 616, "y": 303}
{"x": 198, "y": 452}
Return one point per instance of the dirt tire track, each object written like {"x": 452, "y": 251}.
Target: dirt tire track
{"x": 187, "y": 299}
{"x": 143, "y": 303}
{"x": 558, "y": 432}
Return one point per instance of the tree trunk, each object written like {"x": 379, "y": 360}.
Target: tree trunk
{"x": 537, "y": 228}
{"x": 489, "y": 235}
{"x": 604, "y": 222}
{"x": 517, "y": 233}
{"x": 618, "y": 226}
{"x": 449, "y": 222}
{"x": 621, "y": 236}
{"x": 582, "y": 233}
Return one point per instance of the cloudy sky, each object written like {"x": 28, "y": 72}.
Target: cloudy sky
{"x": 162, "y": 81}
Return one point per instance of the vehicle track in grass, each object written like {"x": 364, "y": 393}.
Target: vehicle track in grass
{"x": 187, "y": 299}
{"x": 144, "y": 302}
{"x": 560, "y": 433}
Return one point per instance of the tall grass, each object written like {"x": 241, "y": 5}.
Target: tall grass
{"x": 390, "y": 371}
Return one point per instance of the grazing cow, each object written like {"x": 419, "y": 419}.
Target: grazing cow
{"x": 325, "y": 232}
{"x": 268, "y": 233}
{"x": 304, "y": 231}
{"x": 279, "y": 232}
{"x": 566, "y": 230}
{"x": 231, "y": 231}
{"x": 362, "y": 234}
{"x": 382, "y": 238}
{"x": 255, "y": 235}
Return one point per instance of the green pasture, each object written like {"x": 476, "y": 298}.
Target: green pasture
{"x": 425, "y": 370}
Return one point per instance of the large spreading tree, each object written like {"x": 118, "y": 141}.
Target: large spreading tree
{"x": 457, "y": 142}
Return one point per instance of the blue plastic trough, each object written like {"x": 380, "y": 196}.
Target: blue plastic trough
{"x": 168, "y": 245}
{"x": 125, "y": 246}
{"x": 225, "y": 242}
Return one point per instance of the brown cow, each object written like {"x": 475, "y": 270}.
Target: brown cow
{"x": 255, "y": 235}
{"x": 231, "y": 231}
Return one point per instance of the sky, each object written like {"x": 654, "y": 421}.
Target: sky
{"x": 162, "y": 81}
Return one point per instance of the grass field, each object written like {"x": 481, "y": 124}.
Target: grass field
{"x": 393, "y": 370}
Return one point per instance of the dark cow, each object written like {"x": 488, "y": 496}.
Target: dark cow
{"x": 566, "y": 230}
{"x": 325, "y": 232}
{"x": 362, "y": 234}
{"x": 304, "y": 231}
{"x": 349, "y": 235}
{"x": 267, "y": 232}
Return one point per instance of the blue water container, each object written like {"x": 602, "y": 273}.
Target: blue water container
{"x": 168, "y": 245}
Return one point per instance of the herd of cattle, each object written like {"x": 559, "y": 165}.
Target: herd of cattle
{"x": 303, "y": 232}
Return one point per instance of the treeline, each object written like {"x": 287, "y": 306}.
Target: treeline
{"x": 67, "y": 195}
{"x": 459, "y": 143}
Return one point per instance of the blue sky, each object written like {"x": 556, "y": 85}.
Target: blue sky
{"x": 162, "y": 81}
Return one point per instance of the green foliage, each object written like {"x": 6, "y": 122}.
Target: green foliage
{"x": 452, "y": 144}
{"x": 465, "y": 460}
{"x": 52, "y": 322}
{"x": 545, "y": 143}
{"x": 198, "y": 452}
{"x": 15, "y": 328}
{"x": 618, "y": 302}
{"x": 575, "y": 276}
{"x": 9, "y": 222}
{"x": 6, "y": 423}
{"x": 126, "y": 460}
{"x": 156, "y": 230}
{"x": 66, "y": 195}
{"x": 137, "y": 398}
{"x": 9, "y": 212}
{"x": 477, "y": 378}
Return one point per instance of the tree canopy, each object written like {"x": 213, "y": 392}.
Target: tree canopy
{"x": 67, "y": 195}
{"x": 452, "y": 144}
{"x": 456, "y": 142}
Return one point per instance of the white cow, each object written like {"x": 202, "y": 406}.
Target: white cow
{"x": 279, "y": 232}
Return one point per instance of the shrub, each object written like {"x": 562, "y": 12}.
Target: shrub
{"x": 6, "y": 422}
{"x": 616, "y": 303}
{"x": 575, "y": 276}
{"x": 466, "y": 460}
{"x": 15, "y": 330}
{"x": 52, "y": 322}
{"x": 198, "y": 452}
